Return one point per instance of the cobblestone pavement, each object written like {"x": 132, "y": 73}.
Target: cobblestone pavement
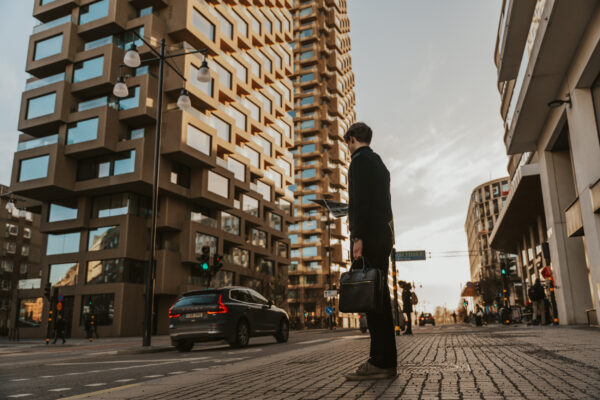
{"x": 454, "y": 363}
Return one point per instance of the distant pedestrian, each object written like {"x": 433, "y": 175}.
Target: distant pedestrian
{"x": 479, "y": 316}
{"x": 59, "y": 329}
{"x": 407, "y": 305}
{"x": 538, "y": 296}
{"x": 371, "y": 233}
{"x": 454, "y": 316}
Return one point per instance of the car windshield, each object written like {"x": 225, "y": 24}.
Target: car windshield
{"x": 197, "y": 300}
{"x": 426, "y": 315}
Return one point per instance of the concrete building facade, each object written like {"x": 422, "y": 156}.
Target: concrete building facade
{"x": 225, "y": 163}
{"x": 547, "y": 58}
{"x": 324, "y": 109}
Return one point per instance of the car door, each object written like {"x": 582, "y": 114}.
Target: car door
{"x": 266, "y": 322}
{"x": 245, "y": 304}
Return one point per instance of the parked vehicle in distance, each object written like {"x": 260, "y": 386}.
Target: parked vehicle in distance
{"x": 234, "y": 314}
{"x": 426, "y": 318}
{"x": 362, "y": 322}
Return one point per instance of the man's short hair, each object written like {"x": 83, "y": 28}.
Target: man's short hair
{"x": 360, "y": 131}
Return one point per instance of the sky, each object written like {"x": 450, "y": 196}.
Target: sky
{"x": 425, "y": 83}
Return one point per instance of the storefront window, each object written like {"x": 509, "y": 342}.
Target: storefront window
{"x": 30, "y": 312}
{"x": 101, "y": 306}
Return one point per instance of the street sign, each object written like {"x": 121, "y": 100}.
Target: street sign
{"x": 418, "y": 255}
{"x": 469, "y": 284}
{"x": 331, "y": 293}
{"x": 61, "y": 297}
{"x": 329, "y": 310}
{"x": 59, "y": 306}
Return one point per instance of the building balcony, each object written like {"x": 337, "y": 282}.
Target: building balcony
{"x": 97, "y": 86}
{"x": 44, "y": 108}
{"x": 542, "y": 70}
{"x": 140, "y": 107}
{"x": 574, "y": 219}
{"x": 514, "y": 27}
{"x": 213, "y": 189}
{"x": 50, "y": 50}
{"x": 105, "y": 139}
{"x": 181, "y": 26}
{"x": 46, "y": 11}
{"x": 114, "y": 22}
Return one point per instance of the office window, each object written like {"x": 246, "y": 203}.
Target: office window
{"x": 307, "y": 100}
{"x": 93, "y": 12}
{"x": 48, "y": 47}
{"x": 230, "y": 223}
{"x": 180, "y": 174}
{"x": 264, "y": 190}
{"x": 198, "y": 140}
{"x": 145, "y": 11}
{"x": 33, "y": 168}
{"x": 307, "y": 124}
{"x": 131, "y": 101}
{"x": 305, "y": 55}
{"x": 306, "y": 33}
{"x": 306, "y": 11}
{"x": 120, "y": 204}
{"x": 309, "y": 225}
{"x": 61, "y": 213}
{"x": 309, "y": 173}
{"x": 119, "y": 164}
{"x": 238, "y": 169}
{"x": 254, "y": 110}
{"x": 202, "y": 240}
{"x": 275, "y": 221}
{"x": 253, "y": 156}
{"x": 88, "y": 69}
{"x": 241, "y": 24}
{"x": 206, "y": 87}
{"x": 115, "y": 270}
{"x": 63, "y": 274}
{"x": 222, "y": 127}
{"x": 218, "y": 184}
{"x": 240, "y": 257}
{"x": 226, "y": 26}
{"x": 104, "y": 238}
{"x": 307, "y": 77}
{"x": 293, "y": 238}
{"x": 82, "y": 131}
{"x": 40, "y": 106}
{"x": 102, "y": 306}
{"x": 308, "y": 148}
{"x": 254, "y": 66}
{"x": 258, "y": 238}
{"x": 204, "y": 25}
{"x": 63, "y": 243}
{"x": 250, "y": 205}
{"x": 138, "y": 133}
{"x": 267, "y": 22}
{"x": 255, "y": 24}
{"x": 265, "y": 144}
{"x": 309, "y": 252}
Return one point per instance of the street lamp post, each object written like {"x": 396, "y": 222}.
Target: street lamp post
{"x": 132, "y": 60}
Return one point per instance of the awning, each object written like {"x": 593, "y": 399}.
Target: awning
{"x": 521, "y": 210}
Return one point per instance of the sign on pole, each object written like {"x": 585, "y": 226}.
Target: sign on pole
{"x": 329, "y": 310}
{"x": 331, "y": 293}
{"x": 418, "y": 255}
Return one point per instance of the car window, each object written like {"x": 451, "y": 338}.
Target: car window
{"x": 241, "y": 295}
{"x": 197, "y": 300}
{"x": 258, "y": 298}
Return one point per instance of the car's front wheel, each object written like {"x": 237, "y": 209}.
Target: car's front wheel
{"x": 184, "y": 346}
{"x": 242, "y": 335}
{"x": 283, "y": 333}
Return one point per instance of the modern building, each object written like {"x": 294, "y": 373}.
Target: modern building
{"x": 324, "y": 109}
{"x": 547, "y": 59}
{"x": 19, "y": 263}
{"x": 485, "y": 205}
{"x": 225, "y": 163}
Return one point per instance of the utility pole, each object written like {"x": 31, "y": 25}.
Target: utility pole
{"x": 395, "y": 281}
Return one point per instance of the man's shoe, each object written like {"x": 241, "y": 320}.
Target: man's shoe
{"x": 369, "y": 371}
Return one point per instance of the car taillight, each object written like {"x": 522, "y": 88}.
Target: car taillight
{"x": 171, "y": 315}
{"x": 359, "y": 316}
{"x": 222, "y": 307}
{"x": 422, "y": 318}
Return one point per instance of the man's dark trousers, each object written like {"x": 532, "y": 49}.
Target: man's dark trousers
{"x": 381, "y": 324}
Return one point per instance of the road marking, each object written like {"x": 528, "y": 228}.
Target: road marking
{"x": 131, "y": 361}
{"x": 199, "y": 369}
{"x": 59, "y": 389}
{"x": 177, "y": 372}
{"x": 20, "y": 379}
{"x": 81, "y": 396}
{"x": 153, "y": 376}
{"x": 96, "y": 384}
{"x": 113, "y": 352}
{"x": 124, "y": 380}
{"x": 245, "y": 351}
{"x": 315, "y": 341}
{"x": 16, "y": 396}
{"x": 47, "y": 376}
{"x": 75, "y": 373}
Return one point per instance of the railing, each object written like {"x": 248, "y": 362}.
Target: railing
{"x": 45, "y": 81}
{"x": 35, "y": 143}
{"x": 57, "y": 22}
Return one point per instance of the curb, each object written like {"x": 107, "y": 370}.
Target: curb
{"x": 145, "y": 350}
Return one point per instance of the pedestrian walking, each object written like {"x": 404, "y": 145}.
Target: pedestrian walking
{"x": 408, "y": 297}
{"x": 59, "y": 329}
{"x": 538, "y": 296}
{"x": 371, "y": 233}
{"x": 454, "y": 316}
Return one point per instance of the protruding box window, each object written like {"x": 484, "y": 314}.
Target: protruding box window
{"x": 40, "y": 106}
{"x": 33, "y": 168}
{"x": 48, "y": 47}
{"x": 218, "y": 184}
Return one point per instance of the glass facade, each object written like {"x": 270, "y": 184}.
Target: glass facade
{"x": 307, "y": 124}
{"x": 122, "y": 163}
{"x": 121, "y": 204}
{"x": 59, "y": 212}
{"x": 48, "y": 47}
{"x": 104, "y": 238}
{"x": 307, "y": 100}
{"x": 82, "y": 131}
{"x": 309, "y": 173}
{"x": 203, "y": 25}
{"x": 33, "y": 168}
{"x": 132, "y": 101}
{"x": 63, "y": 274}
{"x": 40, "y": 106}
{"x": 101, "y": 306}
{"x": 114, "y": 271}
{"x": 63, "y": 243}
{"x": 230, "y": 223}
{"x": 88, "y": 69}
{"x": 93, "y": 12}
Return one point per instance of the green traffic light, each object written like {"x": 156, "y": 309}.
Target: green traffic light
{"x": 205, "y": 266}
{"x": 503, "y": 271}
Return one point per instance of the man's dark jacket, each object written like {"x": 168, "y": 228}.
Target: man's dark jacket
{"x": 407, "y": 306}
{"x": 370, "y": 206}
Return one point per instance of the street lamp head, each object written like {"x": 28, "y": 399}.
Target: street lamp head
{"x": 120, "y": 90}
{"x": 184, "y": 102}
{"x": 203, "y": 73}
{"x": 132, "y": 57}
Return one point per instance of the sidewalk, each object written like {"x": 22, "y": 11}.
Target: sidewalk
{"x": 484, "y": 363}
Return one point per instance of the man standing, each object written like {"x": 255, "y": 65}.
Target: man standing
{"x": 538, "y": 297}
{"x": 59, "y": 329}
{"x": 407, "y": 306}
{"x": 371, "y": 234}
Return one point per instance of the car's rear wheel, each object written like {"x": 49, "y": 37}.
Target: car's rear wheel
{"x": 184, "y": 346}
{"x": 283, "y": 333}
{"x": 242, "y": 335}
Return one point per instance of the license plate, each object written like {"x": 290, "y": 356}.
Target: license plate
{"x": 194, "y": 315}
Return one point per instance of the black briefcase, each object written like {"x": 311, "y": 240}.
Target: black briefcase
{"x": 360, "y": 288}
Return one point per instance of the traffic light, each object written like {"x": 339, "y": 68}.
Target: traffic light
{"x": 204, "y": 259}
{"x": 305, "y": 314}
{"x": 503, "y": 270}
{"x": 465, "y": 303}
{"x": 217, "y": 264}
{"x": 47, "y": 290}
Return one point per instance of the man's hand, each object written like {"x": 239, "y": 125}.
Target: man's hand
{"x": 357, "y": 249}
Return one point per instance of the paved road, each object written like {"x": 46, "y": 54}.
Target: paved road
{"x": 55, "y": 371}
